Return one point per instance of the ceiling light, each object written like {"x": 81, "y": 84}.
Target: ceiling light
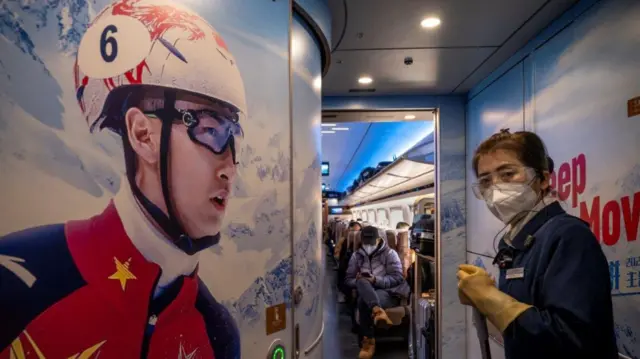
{"x": 365, "y": 80}
{"x": 328, "y": 131}
{"x": 430, "y": 22}
{"x": 410, "y": 117}
{"x": 340, "y": 129}
{"x": 328, "y": 125}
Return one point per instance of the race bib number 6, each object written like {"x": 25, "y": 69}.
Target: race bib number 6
{"x": 113, "y": 46}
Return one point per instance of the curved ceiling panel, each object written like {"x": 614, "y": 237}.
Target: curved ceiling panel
{"x": 365, "y": 145}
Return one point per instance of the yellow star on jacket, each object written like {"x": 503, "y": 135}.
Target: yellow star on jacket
{"x": 182, "y": 354}
{"x": 123, "y": 274}
{"x": 86, "y": 354}
{"x": 29, "y": 349}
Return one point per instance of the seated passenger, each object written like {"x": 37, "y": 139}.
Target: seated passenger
{"x": 343, "y": 261}
{"x": 375, "y": 271}
{"x": 342, "y": 241}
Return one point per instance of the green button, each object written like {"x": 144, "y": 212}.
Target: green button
{"x": 278, "y": 352}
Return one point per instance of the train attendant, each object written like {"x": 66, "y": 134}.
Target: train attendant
{"x": 554, "y": 294}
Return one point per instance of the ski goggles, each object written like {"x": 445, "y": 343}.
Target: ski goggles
{"x": 211, "y": 129}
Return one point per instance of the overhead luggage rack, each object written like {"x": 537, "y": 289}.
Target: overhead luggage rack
{"x": 414, "y": 169}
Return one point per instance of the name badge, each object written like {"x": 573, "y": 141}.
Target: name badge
{"x": 515, "y": 273}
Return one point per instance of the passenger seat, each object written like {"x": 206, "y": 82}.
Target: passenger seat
{"x": 404, "y": 251}
{"x": 400, "y": 315}
{"x": 345, "y": 255}
{"x": 399, "y": 243}
{"x": 391, "y": 238}
{"x": 341, "y": 234}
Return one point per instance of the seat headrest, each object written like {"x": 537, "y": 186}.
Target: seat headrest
{"x": 403, "y": 250}
{"x": 402, "y": 239}
{"x": 391, "y": 238}
{"x": 351, "y": 239}
{"x": 357, "y": 241}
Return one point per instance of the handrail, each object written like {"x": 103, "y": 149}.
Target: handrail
{"x": 315, "y": 342}
{"x": 424, "y": 256}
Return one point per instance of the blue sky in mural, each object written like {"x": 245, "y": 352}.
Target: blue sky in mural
{"x": 367, "y": 144}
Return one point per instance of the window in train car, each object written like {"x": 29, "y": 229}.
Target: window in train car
{"x": 372, "y": 216}
{"x": 396, "y": 216}
{"x": 407, "y": 213}
{"x": 364, "y": 216}
{"x": 383, "y": 219}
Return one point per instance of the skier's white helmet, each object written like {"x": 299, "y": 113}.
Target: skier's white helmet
{"x": 155, "y": 43}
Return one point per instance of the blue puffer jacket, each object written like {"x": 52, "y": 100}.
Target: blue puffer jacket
{"x": 384, "y": 263}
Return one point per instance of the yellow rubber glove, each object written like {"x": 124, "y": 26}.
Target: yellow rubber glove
{"x": 464, "y": 300}
{"x": 478, "y": 289}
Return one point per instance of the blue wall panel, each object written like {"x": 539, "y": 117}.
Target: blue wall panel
{"x": 487, "y": 113}
{"x": 308, "y": 260}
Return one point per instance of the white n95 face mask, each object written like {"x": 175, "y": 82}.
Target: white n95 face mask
{"x": 507, "y": 200}
{"x": 369, "y": 248}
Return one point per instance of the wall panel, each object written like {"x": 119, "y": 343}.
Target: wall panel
{"x": 499, "y": 106}
{"x": 307, "y": 197}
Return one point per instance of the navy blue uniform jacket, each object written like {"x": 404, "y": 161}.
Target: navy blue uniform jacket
{"x": 566, "y": 280}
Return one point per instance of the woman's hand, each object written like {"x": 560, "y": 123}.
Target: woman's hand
{"x": 477, "y": 288}
{"x": 465, "y": 271}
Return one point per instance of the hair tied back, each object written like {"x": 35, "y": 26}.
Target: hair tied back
{"x": 550, "y": 164}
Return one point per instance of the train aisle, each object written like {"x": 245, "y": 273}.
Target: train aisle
{"x": 338, "y": 340}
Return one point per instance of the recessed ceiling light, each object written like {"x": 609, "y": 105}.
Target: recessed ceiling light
{"x": 340, "y": 129}
{"x": 328, "y": 131}
{"x": 328, "y": 125}
{"x": 365, "y": 80}
{"x": 410, "y": 117}
{"x": 430, "y": 22}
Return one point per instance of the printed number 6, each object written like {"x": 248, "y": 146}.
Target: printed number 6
{"x": 105, "y": 40}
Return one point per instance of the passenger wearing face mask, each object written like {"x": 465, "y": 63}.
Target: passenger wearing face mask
{"x": 554, "y": 294}
{"x": 375, "y": 271}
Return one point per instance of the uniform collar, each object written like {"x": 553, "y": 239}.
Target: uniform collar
{"x": 150, "y": 241}
{"x": 524, "y": 237}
